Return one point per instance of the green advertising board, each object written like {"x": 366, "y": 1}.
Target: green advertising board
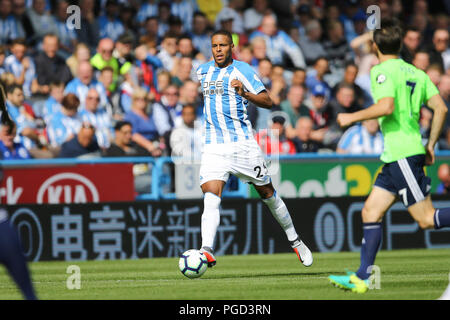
{"x": 332, "y": 177}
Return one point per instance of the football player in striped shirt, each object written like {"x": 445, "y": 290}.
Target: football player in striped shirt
{"x": 229, "y": 146}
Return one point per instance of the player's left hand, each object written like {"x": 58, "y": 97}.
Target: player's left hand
{"x": 238, "y": 87}
{"x": 344, "y": 119}
{"x": 429, "y": 156}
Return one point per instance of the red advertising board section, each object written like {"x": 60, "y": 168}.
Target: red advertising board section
{"x": 82, "y": 183}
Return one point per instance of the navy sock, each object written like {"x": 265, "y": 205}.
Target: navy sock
{"x": 372, "y": 233}
{"x": 442, "y": 218}
{"x": 11, "y": 255}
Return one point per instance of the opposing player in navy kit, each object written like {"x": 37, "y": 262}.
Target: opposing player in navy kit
{"x": 11, "y": 253}
{"x": 229, "y": 145}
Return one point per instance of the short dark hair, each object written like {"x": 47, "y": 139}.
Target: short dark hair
{"x": 70, "y": 101}
{"x": 389, "y": 37}
{"x": 120, "y": 124}
{"x": 223, "y": 33}
{"x": 11, "y": 88}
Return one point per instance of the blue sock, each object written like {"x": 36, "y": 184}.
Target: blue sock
{"x": 372, "y": 233}
{"x": 11, "y": 255}
{"x": 442, "y": 218}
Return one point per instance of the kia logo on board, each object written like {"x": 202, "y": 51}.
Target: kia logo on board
{"x": 67, "y": 187}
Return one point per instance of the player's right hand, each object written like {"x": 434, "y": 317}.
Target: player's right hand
{"x": 344, "y": 119}
{"x": 429, "y": 156}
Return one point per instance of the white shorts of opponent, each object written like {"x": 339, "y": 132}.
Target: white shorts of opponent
{"x": 243, "y": 159}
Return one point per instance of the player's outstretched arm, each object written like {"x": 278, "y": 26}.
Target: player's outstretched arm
{"x": 439, "y": 108}
{"x": 261, "y": 99}
{"x": 384, "y": 107}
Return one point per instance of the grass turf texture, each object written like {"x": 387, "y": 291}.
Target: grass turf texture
{"x": 405, "y": 274}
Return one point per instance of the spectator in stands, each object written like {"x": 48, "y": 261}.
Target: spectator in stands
{"x": 22, "y": 67}
{"x": 344, "y": 101}
{"x": 304, "y": 17}
{"x": 189, "y": 94}
{"x": 123, "y": 51}
{"x": 167, "y": 113}
{"x": 24, "y": 27}
{"x": 112, "y": 107}
{"x": 201, "y": 38}
{"x": 150, "y": 30}
{"x": 110, "y": 25}
{"x": 440, "y": 51}
{"x": 8, "y": 24}
{"x": 123, "y": 145}
{"x": 421, "y": 60}
{"x": 89, "y": 32}
{"x": 64, "y": 124}
{"x": 259, "y": 49}
{"x": 273, "y": 141}
{"x": 10, "y": 150}
{"x": 302, "y": 140}
{"x": 85, "y": 80}
{"x": 298, "y": 77}
{"x": 278, "y": 43}
{"x": 187, "y": 49}
{"x": 83, "y": 145}
{"x": 231, "y": 12}
{"x": 183, "y": 71}
{"x": 67, "y": 36}
{"x": 53, "y": 104}
{"x": 127, "y": 13}
{"x": 311, "y": 44}
{"x": 41, "y": 20}
{"x": 435, "y": 72}
{"x": 81, "y": 53}
{"x": 364, "y": 138}
{"x": 350, "y": 73}
{"x": 145, "y": 133}
{"x": 294, "y": 107}
{"x": 147, "y": 9}
{"x": 49, "y": 66}
{"x": 253, "y": 15}
{"x": 148, "y": 64}
{"x": 23, "y": 115}
{"x": 321, "y": 114}
{"x": 104, "y": 58}
{"x": 168, "y": 51}
{"x": 337, "y": 50}
{"x": 317, "y": 74}
{"x": 411, "y": 43}
{"x": 444, "y": 177}
{"x": 186, "y": 137}
{"x": 98, "y": 117}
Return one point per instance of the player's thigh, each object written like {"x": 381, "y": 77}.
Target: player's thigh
{"x": 249, "y": 164}
{"x": 423, "y": 213}
{"x": 376, "y": 205}
{"x": 214, "y": 173}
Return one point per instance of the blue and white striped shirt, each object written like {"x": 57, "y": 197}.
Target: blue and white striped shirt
{"x": 185, "y": 11}
{"x": 110, "y": 29}
{"x": 102, "y": 123}
{"x": 60, "y": 127}
{"x": 225, "y": 111}
{"x": 8, "y": 29}
{"x": 147, "y": 10}
{"x": 357, "y": 140}
{"x": 15, "y": 67}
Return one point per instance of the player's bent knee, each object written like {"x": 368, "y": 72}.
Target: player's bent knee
{"x": 426, "y": 223}
{"x": 370, "y": 215}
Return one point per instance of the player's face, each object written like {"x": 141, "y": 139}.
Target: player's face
{"x": 221, "y": 49}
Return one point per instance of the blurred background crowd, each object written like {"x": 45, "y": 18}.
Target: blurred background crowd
{"x": 123, "y": 82}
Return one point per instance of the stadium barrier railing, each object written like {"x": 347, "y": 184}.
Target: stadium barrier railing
{"x": 160, "y": 177}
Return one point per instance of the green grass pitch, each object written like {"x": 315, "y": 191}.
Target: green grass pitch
{"x": 405, "y": 274}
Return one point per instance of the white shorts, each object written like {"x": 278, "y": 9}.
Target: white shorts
{"x": 243, "y": 159}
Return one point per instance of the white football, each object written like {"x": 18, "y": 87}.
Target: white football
{"x": 193, "y": 263}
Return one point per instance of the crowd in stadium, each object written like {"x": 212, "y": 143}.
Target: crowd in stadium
{"x": 123, "y": 81}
